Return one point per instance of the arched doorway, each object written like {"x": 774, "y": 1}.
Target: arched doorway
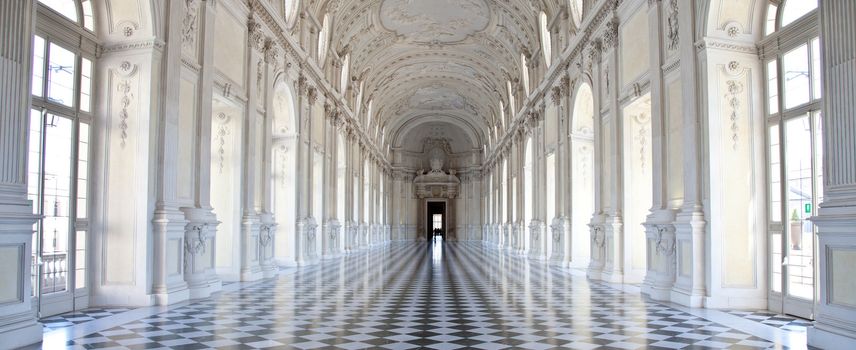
{"x": 582, "y": 173}
{"x": 284, "y": 154}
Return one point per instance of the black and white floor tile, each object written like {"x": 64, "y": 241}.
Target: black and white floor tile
{"x": 423, "y": 296}
{"x": 786, "y": 322}
{"x": 81, "y": 316}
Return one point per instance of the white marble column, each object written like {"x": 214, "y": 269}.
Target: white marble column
{"x": 659, "y": 232}
{"x": 835, "y": 317}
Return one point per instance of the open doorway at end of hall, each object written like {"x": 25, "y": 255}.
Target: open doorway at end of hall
{"x": 436, "y": 219}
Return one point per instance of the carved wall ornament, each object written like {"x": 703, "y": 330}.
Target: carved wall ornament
{"x": 222, "y": 132}
{"x": 124, "y": 89}
{"x": 610, "y": 34}
{"x": 643, "y": 120}
{"x": 128, "y": 28}
{"x": 190, "y": 23}
{"x": 672, "y": 33}
{"x": 260, "y": 74}
{"x": 257, "y": 36}
{"x": 598, "y": 237}
{"x": 265, "y": 235}
{"x": 195, "y": 242}
{"x": 664, "y": 245}
{"x": 735, "y": 88}
{"x": 227, "y": 90}
{"x": 733, "y": 29}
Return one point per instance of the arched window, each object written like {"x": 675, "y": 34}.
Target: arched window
{"x": 790, "y": 11}
{"x": 510, "y": 100}
{"x": 545, "y": 39}
{"x": 369, "y": 113}
{"x": 79, "y": 12}
{"x": 794, "y": 139}
{"x": 501, "y": 116}
{"x": 59, "y": 147}
{"x": 576, "y": 8}
{"x": 323, "y": 39}
{"x": 289, "y": 10}
{"x": 525, "y": 73}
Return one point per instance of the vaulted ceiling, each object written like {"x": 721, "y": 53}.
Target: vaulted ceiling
{"x": 435, "y": 60}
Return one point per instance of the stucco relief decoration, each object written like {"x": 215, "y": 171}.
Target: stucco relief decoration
{"x": 735, "y": 88}
{"x": 665, "y": 245}
{"x": 672, "y": 32}
{"x": 642, "y": 137}
{"x": 190, "y": 23}
{"x": 126, "y": 70}
{"x": 222, "y": 131}
{"x": 127, "y": 28}
{"x": 436, "y": 97}
{"x": 598, "y": 236}
{"x": 195, "y": 241}
{"x": 435, "y": 22}
{"x": 265, "y": 235}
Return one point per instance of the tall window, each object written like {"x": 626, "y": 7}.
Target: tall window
{"x": 343, "y": 78}
{"x": 525, "y": 73}
{"x": 58, "y": 161}
{"x": 576, "y": 8}
{"x": 289, "y": 10}
{"x": 545, "y": 39}
{"x": 793, "y": 102}
{"x": 323, "y": 39}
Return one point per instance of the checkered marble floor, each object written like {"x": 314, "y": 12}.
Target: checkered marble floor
{"x": 429, "y": 296}
{"x": 789, "y": 323}
{"x": 78, "y": 317}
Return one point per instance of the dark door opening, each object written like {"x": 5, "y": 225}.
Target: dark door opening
{"x": 436, "y": 227}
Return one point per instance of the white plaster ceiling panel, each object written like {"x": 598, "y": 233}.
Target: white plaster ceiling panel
{"x": 435, "y": 21}
{"x": 458, "y": 140}
{"x": 448, "y": 57}
{"x": 437, "y": 97}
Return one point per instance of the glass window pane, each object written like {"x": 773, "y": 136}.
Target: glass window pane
{"x": 772, "y": 87}
{"x": 66, "y": 8}
{"x": 80, "y": 260}
{"x": 57, "y": 189}
{"x": 794, "y": 9}
{"x": 776, "y": 261}
{"x": 61, "y": 65}
{"x": 88, "y": 21}
{"x": 798, "y": 165}
{"x": 775, "y": 175}
{"x": 816, "y": 84}
{"x": 82, "y": 171}
{"x": 770, "y": 25}
{"x": 85, "y": 85}
{"x": 34, "y": 164}
{"x": 796, "y": 75}
{"x": 38, "y": 65}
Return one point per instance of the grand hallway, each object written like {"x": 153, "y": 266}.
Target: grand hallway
{"x": 415, "y": 295}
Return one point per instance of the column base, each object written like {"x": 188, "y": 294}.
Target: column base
{"x": 21, "y": 329}
{"x": 174, "y": 294}
{"x": 686, "y": 298}
{"x": 205, "y": 290}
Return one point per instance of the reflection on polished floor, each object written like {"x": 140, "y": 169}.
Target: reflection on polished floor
{"x": 424, "y": 295}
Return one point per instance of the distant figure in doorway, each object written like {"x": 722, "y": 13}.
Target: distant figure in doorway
{"x": 438, "y": 233}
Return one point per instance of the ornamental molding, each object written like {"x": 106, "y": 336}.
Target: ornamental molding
{"x": 135, "y": 45}
{"x": 726, "y": 45}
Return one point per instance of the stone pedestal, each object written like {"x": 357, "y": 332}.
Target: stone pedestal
{"x": 332, "y": 239}
{"x": 251, "y": 269}
{"x": 306, "y": 235}
{"x": 200, "y": 252}
{"x": 537, "y": 240}
{"x": 267, "y": 236}
{"x": 560, "y": 234}
{"x": 660, "y": 277}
